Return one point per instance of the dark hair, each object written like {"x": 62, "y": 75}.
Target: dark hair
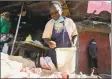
{"x": 93, "y": 40}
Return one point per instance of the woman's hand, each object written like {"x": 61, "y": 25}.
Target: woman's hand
{"x": 52, "y": 44}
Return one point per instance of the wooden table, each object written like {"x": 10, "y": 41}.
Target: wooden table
{"x": 25, "y": 45}
{"x": 37, "y": 45}
{"x": 39, "y": 50}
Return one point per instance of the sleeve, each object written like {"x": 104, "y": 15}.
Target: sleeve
{"x": 1, "y": 22}
{"x": 8, "y": 27}
{"x": 74, "y": 31}
{"x": 46, "y": 40}
{"x": 47, "y": 31}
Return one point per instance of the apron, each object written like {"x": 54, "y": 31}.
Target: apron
{"x": 62, "y": 40}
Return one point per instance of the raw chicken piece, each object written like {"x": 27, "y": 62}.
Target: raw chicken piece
{"x": 37, "y": 70}
{"x": 64, "y": 75}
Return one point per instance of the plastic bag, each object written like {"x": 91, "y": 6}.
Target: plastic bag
{"x": 5, "y": 48}
{"x": 28, "y": 38}
{"x": 47, "y": 63}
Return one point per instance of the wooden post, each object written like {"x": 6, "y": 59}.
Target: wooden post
{"x": 17, "y": 29}
{"x": 111, "y": 41}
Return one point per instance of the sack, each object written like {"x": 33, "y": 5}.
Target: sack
{"x": 46, "y": 63}
{"x": 25, "y": 62}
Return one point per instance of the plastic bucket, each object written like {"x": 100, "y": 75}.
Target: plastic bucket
{"x": 66, "y": 59}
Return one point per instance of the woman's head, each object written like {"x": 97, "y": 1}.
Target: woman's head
{"x": 6, "y": 15}
{"x": 55, "y": 10}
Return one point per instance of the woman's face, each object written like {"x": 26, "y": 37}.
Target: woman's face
{"x": 54, "y": 13}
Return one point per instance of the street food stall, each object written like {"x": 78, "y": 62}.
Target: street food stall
{"x": 23, "y": 57}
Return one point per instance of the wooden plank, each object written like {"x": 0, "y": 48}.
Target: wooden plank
{"x": 94, "y": 28}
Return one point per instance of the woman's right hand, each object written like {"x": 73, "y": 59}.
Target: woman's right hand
{"x": 52, "y": 44}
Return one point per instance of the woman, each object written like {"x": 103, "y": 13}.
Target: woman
{"x": 5, "y": 26}
{"x": 92, "y": 54}
{"x": 59, "y": 31}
